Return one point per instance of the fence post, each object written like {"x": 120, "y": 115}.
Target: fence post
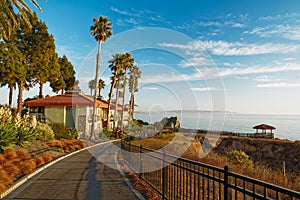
{"x": 226, "y": 168}
{"x": 141, "y": 160}
{"x": 164, "y": 176}
{"x": 129, "y": 154}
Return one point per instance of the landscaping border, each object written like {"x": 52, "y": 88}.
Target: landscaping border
{"x": 42, "y": 168}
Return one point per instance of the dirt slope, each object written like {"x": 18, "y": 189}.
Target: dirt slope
{"x": 271, "y": 153}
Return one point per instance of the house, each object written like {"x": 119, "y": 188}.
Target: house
{"x": 73, "y": 109}
{"x": 116, "y": 120}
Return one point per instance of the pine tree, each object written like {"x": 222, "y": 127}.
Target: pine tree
{"x": 66, "y": 79}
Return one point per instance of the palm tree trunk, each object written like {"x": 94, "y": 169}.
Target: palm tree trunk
{"x": 20, "y": 97}
{"x": 131, "y": 106}
{"x": 116, "y": 108}
{"x": 122, "y": 118}
{"x": 113, "y": 84}
{"x": 96, "y": 86}
{"x": 41, "y": 90}
{"x": 11, "y": 90}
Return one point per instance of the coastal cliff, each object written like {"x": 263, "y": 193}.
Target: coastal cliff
{"x": 270, "y": 153}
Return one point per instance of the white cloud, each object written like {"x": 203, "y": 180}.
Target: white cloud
{"x": 279, "y": 85}
{"x": 279, "y": 17}
{"x": 121, "y": 22}
{"x": 138, "y": 14}
{"x": 237, "y": 64}
{"x": 264, "y": 78}
{"x": 207, "y": 73}
{"x": 260, "y": 70}
{"x": 205, "y": 89}
{"x": 200, "y": 61}
{"x": 289, "y": 59}
{"x": 150, "y": 88}
{"x": 283, "y": 30}
{"x": 223, "y": 48}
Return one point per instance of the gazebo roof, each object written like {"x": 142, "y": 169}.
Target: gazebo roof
{"x": 264, "y": 127}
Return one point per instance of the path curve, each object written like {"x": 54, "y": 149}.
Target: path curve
{"x": 80, "y": 176}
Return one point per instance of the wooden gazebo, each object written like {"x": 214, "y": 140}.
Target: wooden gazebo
{"x": 264, "y": 128}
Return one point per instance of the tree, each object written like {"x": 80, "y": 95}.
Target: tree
{"x": 9, "y": 20}
{"x": 116, "y": 68}
{"x": 127, "y": 65}
{"x": 101, "y": 85}
{"x": 11, "y": 66}
{"x": 101, "y": 30}
{"x": 43, "y": 58}
{"x": 118, "y": 86}
{"x": 134, "y": 75}
{"x": 91, "y": 85}
{"x": 66, "y": 79}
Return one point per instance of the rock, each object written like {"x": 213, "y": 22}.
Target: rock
{"x": 171, "y": 122}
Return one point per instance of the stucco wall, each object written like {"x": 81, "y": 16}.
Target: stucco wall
{"x": 56, "y": 114}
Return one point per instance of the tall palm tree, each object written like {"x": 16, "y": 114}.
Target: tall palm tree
{"x": 135, "y": 74}
{"x": 101, "y": 85}
{"x": 127, "y": 65}
{"x": 91, "y": 85}
{"x": 8, "y": 19}
{"x": 118, "y": 86}
{"x": 116, "y": 68}
{"x": 101, "y": 30}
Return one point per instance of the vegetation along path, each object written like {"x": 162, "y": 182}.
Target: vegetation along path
{"x": 80, "y": 176}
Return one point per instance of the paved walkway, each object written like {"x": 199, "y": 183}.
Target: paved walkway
{"x": 80, "y": 176}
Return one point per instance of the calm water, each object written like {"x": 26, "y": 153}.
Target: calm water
{"x": 287, "y": 126}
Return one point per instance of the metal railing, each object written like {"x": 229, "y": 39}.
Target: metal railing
{"x": 179, "y": 178}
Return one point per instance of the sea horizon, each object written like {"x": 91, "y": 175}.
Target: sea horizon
{"x": 287, "y": 126}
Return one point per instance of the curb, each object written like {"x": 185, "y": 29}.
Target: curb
{"x": 137, "y": 193}
{"x": 37, "y": 171}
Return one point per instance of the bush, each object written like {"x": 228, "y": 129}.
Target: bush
{"x": 239, "y": 158}
{"x": 62, "y": 132}
{"x": 46, "y": 133}
{"x": 26, "y": 135}
{"x": 8, "y": 135}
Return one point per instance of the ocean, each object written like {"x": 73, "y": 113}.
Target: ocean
{"x": 287, "y": 126}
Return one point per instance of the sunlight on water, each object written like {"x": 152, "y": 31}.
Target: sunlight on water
{"x": 287, "y": 126}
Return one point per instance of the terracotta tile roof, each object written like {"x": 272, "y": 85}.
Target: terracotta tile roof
{"x": 68, "y": 99}
{"x": 264, "y": 127}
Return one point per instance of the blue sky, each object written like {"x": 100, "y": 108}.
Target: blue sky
{"x": 240, "y": 56}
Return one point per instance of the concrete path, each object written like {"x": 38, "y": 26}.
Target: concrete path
{"x": 80, "y": 176}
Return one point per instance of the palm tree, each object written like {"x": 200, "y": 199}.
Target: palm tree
{"x": 116, "y": 68}
{"x": 101, "y": 30}
{"x": 127, "y": 65}
{"x": 8, "y": 19}
{"x": 118, "y": 86}
{"x": 101, "y": 85}
{"x": 91, "y": 85}
{"x": 135, "y": 74}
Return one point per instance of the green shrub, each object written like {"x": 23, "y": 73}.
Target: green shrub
{"x": 26, "y": 135}
{"x": 62, "y": 132}
{"x": 8, "y": 135}
{"x": 46, "y": 132}
{"x": 239, "y": 158}
{"x": 140, "y": 122}
{"x": 57, "y": 149}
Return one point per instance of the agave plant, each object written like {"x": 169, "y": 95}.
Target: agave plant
{"x": 8, "y": 135}
{"x": 25, "y": 135}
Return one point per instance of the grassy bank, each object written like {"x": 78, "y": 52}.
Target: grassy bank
{"x": 257, "y": 158}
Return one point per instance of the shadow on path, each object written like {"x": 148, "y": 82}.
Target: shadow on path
{"x": 93, "y": 186}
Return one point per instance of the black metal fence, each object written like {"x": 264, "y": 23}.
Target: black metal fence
{"x": 179, "y": 178}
